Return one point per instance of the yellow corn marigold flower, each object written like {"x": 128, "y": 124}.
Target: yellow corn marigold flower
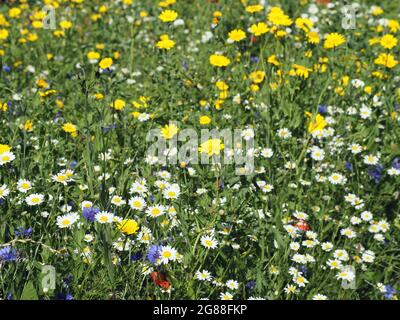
{"x": 301, "y": 71}
{"x": 65, "y": 24}
{"x": 223, "y": 94}
{"x": 128, "y": 226}
{"x": 169, "y": 131}
{"x": 237, "y": 35}
{"x": 37, "y": 24}
{"x": 165, "y": 42}
{"x": 388, "y": 41}
{"x": 304, "y": 24}
{"x": 254, "y": 8}
{"x": 3, "y": 106}
{"x": 59, "y": 33}
{"x": 3, "y": 34}
{"x": 211, "y": 147}
{"x": 368, "y": 89}
{"x": 259, "y": 29}
{"x": 69, "y": 128}
{"x": 98, "y": 96}
{"x": 221, "y": 85}
{"x": 376, "y": 11}
{"x": 204, "y": 120}
{"x": 334, "y": 40}
{"x": 105, "y": 63}
{"x": 386, "y": 60}
{"x": 118, "y": 104}
{"x": 14, "y": 12}
{"x": 273, "y": 60}
{"x": 257, "y": 76}
{"x": 4, "y": 148}
{"x": 278, "y": 18}
{"x": 313, "y": 37}
{"x": 374, "y": 41}
{"x": 219, "y": 60}
{"x": 41, "y": 83}
{"x": 168, "y": 16}
{"x": 92, "y": 55}
{"x": 28, "y": 125}
{"x": 394, "y": 26}
{"x": 317, "y": 124}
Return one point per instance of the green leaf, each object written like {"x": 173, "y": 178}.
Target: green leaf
{"x": 29, "y": 292}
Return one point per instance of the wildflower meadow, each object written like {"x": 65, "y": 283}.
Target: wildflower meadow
{"x": 199, "y": 149}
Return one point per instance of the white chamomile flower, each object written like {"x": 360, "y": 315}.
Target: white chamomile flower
{"x": 155, "y": 211}
{"x": 24, "y": 185}
{"x": 203, "y": 275}
{"x": 137, "y": 203}
{"x": 208, "y": 242}
{"x": 4, "y": 191}
{"x": 34, "y": 199}
{"x": 104, "y": 217}
{"x": 118, "y": 201}
{"x": 67, "y": 220}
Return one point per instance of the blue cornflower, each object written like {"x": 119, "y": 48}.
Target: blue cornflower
{"x": 8, "y": 254}
{"x": 396, "y": 163}
{"x": 254, "y": 59}
{"x": 89, "y": 213}
{"x": 22, "y": 232}
{"x": 250, "y": 285}
{"x": 136, "y": 256}
{"x": 154, "y": 253}
{"x": 6, "y": 69}
{"x": 376, "y": 173}
{"x": 322, "y": 109}
{"x": 64, "y": 296}
{"x": 348, "y": 166}
{"x": 389, "y": 291}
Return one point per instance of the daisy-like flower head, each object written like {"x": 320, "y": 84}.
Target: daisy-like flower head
{"x": 138, "y": 187}
{"x": 203, "y": 275}
{"x": 104, "y": 217}
{"x": 6, "y": 157}
{"x": 128, "y": 226}
{"x": 346, "y": 275}
{"x": 319, "y": 296}
{"x": 61, "y": 178}
{"x": 105, "y": 63}
{"x": 172, "y": 191}
{"x": 237, "y": 35}
{"x": 169, "y": 131}
{"x": 137, "y": 203}
{"x": 34, "y": 199}
{"x": 155, "y": 211}
{"x": 226, "y": 296}
{"x": 167, "y": 254}
{"x": 284, "y": 133}
{"x": 232, "y": 284}
{"x": 259, "y": 29}
{"x": 168, "y": 16}
{"x": 67, "y": 220}
{"x": 4, "y": 191}
{"x": 218, "y": 60}
{"x": 334, "y": 40}
{"x": 117, "y": 201}
{"x": 165, "y": 42}
{"x": 212, "y": 147}
{"x": 208, "y": 242}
